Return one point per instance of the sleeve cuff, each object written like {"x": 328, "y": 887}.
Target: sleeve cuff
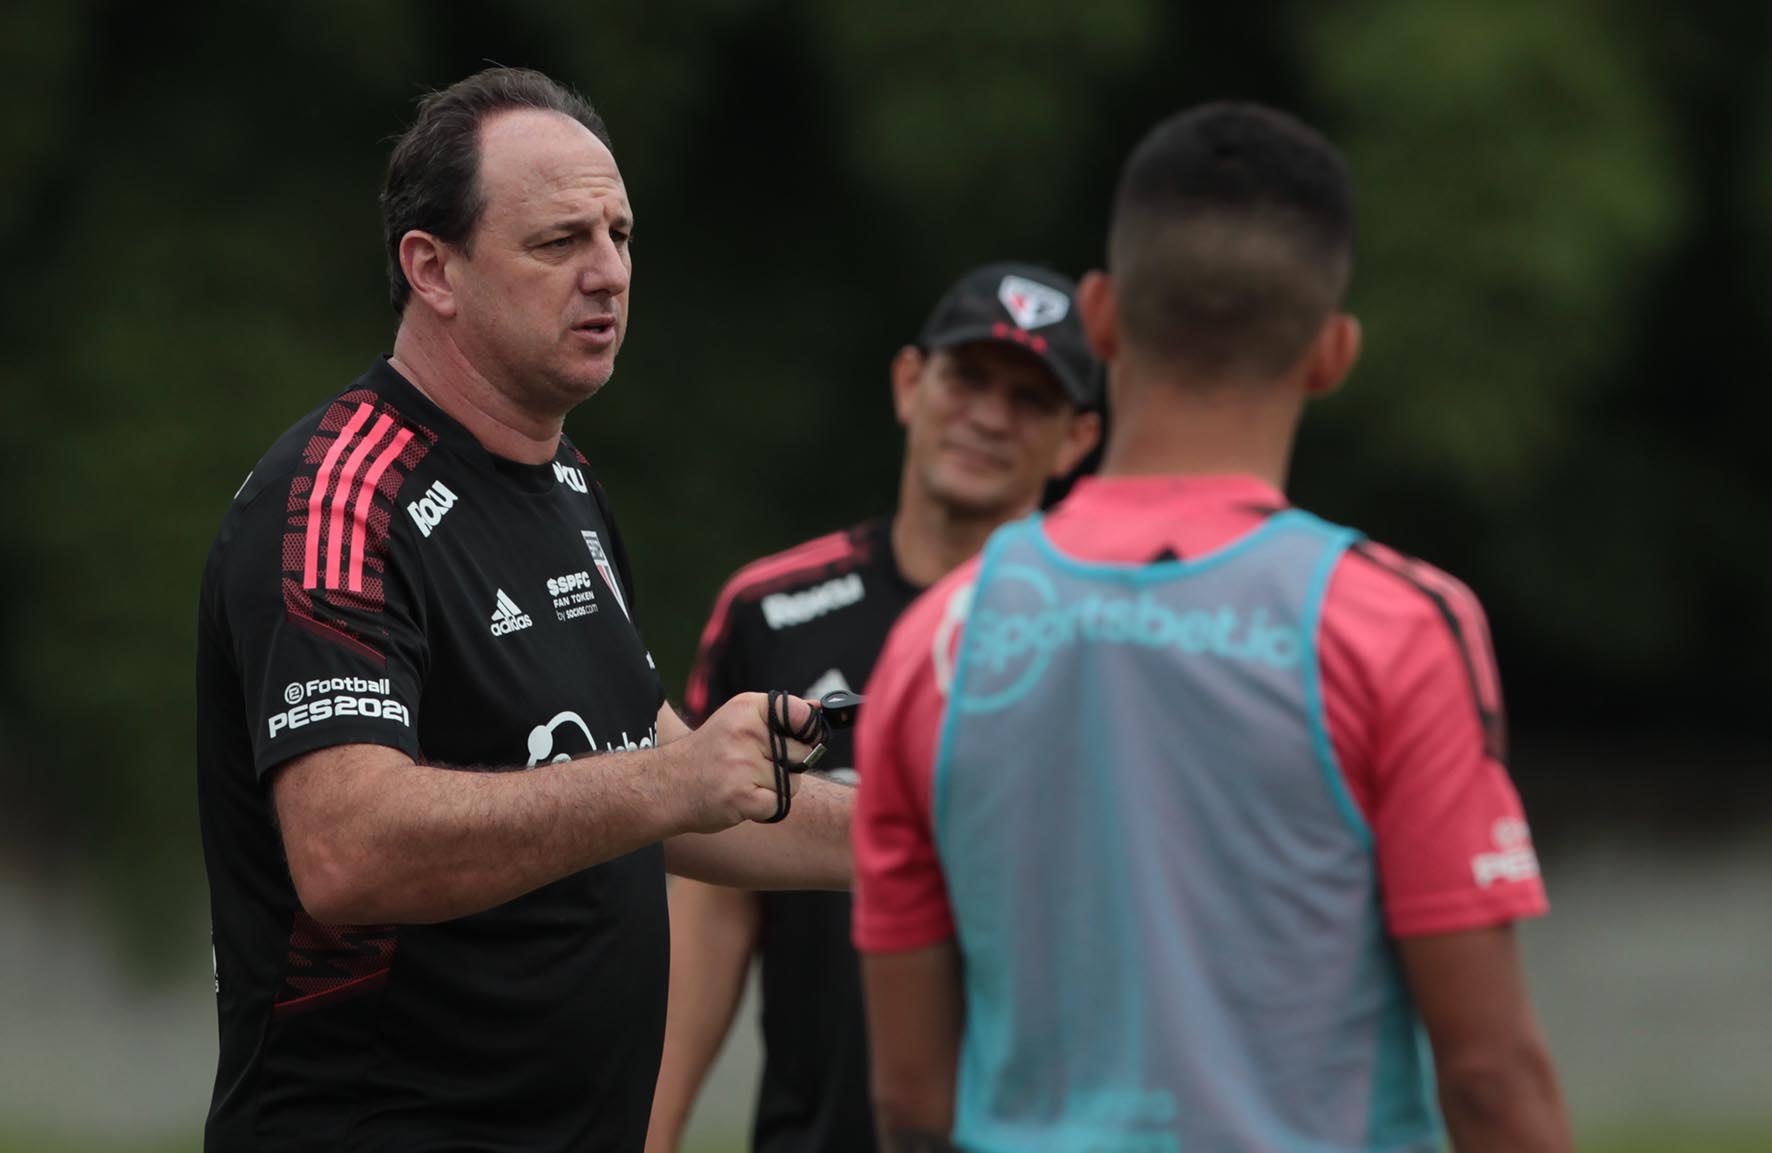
{"x": 268, "y": 760}
{"x": 1428, "y": 916}
{"x": 880, "y": 934}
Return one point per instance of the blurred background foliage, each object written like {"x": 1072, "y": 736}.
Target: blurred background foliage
{"x": 1566, "y": 208}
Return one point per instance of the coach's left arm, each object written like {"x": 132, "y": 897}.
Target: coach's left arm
{"x": 915, "y": 1007}
{"x": 807, "y": 850}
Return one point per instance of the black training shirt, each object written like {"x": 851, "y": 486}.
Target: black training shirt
{"x": 380, "y": 578}
{"x": 809, "y": 620}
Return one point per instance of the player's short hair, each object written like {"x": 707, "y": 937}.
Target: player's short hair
{"x": 433, "y": 181}
{"x": 1231, "y": 240}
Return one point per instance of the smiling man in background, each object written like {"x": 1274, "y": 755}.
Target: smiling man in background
{"x": 996, "y": 399}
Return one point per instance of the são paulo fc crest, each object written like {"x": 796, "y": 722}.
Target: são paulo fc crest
{"x": 1032, "y": 304}
{"x": 606, "y": 569}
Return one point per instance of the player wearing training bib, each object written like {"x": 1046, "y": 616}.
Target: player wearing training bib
{"x": 1185, "y": 821}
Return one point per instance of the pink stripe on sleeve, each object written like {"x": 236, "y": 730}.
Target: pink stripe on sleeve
{"x": 341, "y": 500}
{"x": 365, "y": 499}
{"x": 317, "y": 498}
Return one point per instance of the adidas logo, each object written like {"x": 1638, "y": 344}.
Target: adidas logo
{"x": 507, "y": 617}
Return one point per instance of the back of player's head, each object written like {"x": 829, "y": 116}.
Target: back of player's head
{"x": 1231, "y": 241}
{"x": 433, "y": 181}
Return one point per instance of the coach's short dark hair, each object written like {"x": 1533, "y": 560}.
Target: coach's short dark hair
{"x": 1232, "y": 240}
{"x": 433, "y": 181}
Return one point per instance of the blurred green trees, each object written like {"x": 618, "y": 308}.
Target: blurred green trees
{"x": 1563, "y": 209}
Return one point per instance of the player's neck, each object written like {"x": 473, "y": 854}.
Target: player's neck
{"x": 931, "y": 539}
{"x": 1164, "y": 428}
{"x": 435, "y": 366}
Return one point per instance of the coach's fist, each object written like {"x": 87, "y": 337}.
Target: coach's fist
{"x": 728, "y": 775}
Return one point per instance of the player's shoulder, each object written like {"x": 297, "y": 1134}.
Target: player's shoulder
{"x": 949, "y": 597}
{"x": 925, "y": 640}
{"x": 326, "y": 496}
{"x": 806, "y": 565}
{"x": 1389, "y": 579}
{"x": 360, "y": 440}
{"x": 1383, "y": 600}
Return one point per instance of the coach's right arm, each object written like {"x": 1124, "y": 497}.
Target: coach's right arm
{"x": 373, "y": 837}
{"x": 375, "y": 834}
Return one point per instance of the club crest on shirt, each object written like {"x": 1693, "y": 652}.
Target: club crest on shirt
{"x": 606, "y": 570}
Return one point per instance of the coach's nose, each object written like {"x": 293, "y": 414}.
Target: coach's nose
{"x": 605, "y": 271}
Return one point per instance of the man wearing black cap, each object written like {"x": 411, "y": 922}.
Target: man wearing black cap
{"x": 996, "y": 399}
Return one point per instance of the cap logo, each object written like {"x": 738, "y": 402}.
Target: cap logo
{"x": 1032, "y": 304}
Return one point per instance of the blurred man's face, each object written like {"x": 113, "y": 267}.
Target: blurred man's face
{"x": 542, "y": 291}
{"x": 986, "y": 425}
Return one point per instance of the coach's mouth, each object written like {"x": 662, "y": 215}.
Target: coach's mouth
{"x": 599, "y": 331}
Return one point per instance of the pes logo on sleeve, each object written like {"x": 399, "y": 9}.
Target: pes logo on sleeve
{"x": 334, "y": 698}
{"x": 1513, "y": 858}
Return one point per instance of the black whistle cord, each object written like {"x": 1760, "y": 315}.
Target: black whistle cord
{"x": 814, "y": 732}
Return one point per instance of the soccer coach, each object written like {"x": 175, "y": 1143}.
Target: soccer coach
{"x": 439, "y": 785}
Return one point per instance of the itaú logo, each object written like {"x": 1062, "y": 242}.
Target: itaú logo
{"x": 1011, "y": 640}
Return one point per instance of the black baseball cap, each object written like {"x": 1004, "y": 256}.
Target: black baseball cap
{"x": 1025, "y": 305}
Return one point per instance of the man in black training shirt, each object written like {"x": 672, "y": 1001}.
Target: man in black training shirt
{"x": 439, "y": 784}
{"x": 995, "y": 401}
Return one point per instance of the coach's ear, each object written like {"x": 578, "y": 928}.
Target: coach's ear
{"x": 907, "y": 372}
{"x": 425, "y": 261}
{"x": 1096, "y": 309}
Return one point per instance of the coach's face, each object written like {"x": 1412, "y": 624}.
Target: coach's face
{"x": 542, "y": 288}
{"x": 986, "y": 424}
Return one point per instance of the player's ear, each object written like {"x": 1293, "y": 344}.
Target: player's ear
{"x": 1096, "y": 309}
{"x": 425, "y": 261}
{"x": 1332, "y": 354}
{"x": 1080, "y": 439}
{"x": 907, "y": 371}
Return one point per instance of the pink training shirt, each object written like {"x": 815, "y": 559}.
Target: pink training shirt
{"x": 1410, "y": 690}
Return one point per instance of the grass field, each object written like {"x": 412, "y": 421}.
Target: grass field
{"x": 1645, "y": 1141}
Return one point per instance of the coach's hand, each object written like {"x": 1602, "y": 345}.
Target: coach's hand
{"x": 728, "y": 775}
